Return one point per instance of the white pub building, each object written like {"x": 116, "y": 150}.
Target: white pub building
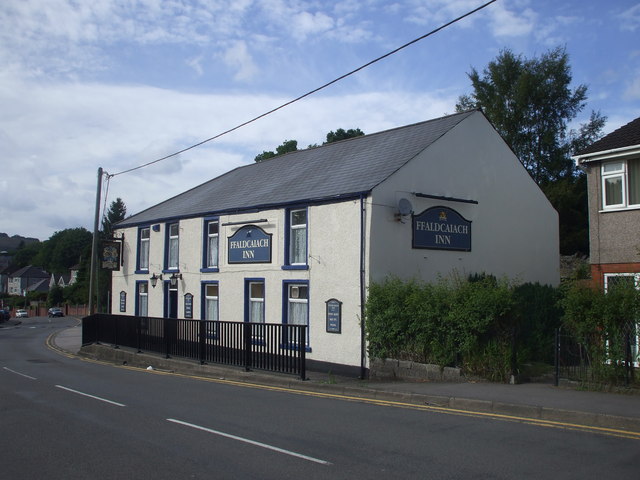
{"x": 299, "y": 237}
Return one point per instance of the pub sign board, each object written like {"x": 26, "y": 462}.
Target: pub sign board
{"x": 111, "y": 254}
{"x": 250, "y": 244}
{"x": 334, "y": 316}
{"x": 441, "y": 228}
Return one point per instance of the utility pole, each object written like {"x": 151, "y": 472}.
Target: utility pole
{"x": 94, "y": 246}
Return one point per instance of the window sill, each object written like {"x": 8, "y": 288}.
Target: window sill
{"x": 142, "y": 272}
{"x": 619, "y": 209}
{"x": 171, "y": 270}
{"x": 295, "y": 267}
{"x": 209, "y": 270}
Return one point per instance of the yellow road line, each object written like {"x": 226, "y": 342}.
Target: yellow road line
{"x": 373, "y": 401}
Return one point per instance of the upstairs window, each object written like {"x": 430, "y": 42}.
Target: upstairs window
{"x": 621, "y": 184}
{"x": 298, "y": 237}
{"x": 212, "y": 244}
{"x": 173, "y": 247}
{"x": 143, "y": 248}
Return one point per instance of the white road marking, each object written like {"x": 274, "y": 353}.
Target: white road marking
{"x": 251, "y": 442}
{"x": 21, "y": 374}
{"x": 91, "y": 396}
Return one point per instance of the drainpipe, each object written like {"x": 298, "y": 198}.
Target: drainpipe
{"x": 363, "y": 347}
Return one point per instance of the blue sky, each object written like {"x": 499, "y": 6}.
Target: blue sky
{"x": 119, "y": 83}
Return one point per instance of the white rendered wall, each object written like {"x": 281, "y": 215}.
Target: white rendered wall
{"x": 514, "y": 228}
{"x": 333, "y": 233}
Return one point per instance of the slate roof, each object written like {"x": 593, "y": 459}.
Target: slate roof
{"x": 30, "y": 272}
{"x": 337, "y": 170}
{"x": 625, "y": 136}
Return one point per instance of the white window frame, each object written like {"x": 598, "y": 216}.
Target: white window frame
{"x": 144, "y": 244}
{"x": 213, "y": 237}
{"x": 609, "y": 173}
{"x": 256, "y": 300}
{"x": 294, "y": 297}
{"x": 293, "y": 228}
{"x": 173, "y": 253}
{"x": 143, "y": 299}
{"x": 212, "y": 297}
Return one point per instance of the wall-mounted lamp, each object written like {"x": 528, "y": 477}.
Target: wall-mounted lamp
{"x": 154, "y": 279}
{"x": 174, "y": 279}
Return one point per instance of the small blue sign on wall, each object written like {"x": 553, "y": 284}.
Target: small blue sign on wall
{"x": 441, "y": 228}
{"x": 250, "y": 244}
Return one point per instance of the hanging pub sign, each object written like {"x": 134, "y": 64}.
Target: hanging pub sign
{"x": 111, "y": 254}
{"x": 441, "y": 228}
{"x": 250, "y": 244}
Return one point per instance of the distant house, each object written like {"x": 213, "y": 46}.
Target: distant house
{"x": 613, "y": 177}
{"x": 27, "y": 279}
{"x": 298, "y": 238}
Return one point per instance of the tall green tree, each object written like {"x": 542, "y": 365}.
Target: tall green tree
{"x": 531, "y": 103}
{"x": 64, "y": 249}
{"x": 117, "y": 211}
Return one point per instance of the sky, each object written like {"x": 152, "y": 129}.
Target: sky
{"x": 120, "y": 83}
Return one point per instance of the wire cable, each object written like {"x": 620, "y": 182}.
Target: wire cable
{"x": 392, "y": 52}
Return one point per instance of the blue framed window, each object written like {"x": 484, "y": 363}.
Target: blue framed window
{"x": 144, "y": 244}
{"x": 142, "y": 298}
{"x": 210, "y": 309}
{"x": 295, "y": 307}
{"x": 172, "y": 247}
{"x": 296, "y": 239}
{"x": 211, "y": 245}
{"x": 254, "y": 303}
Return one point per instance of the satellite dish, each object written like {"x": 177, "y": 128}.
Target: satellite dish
{"x": 405, "y": 207}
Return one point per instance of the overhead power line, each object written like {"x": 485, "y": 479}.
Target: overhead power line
{"x": 392, "y": 52}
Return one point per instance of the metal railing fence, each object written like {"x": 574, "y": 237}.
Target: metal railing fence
{"x": 265, "y": 346}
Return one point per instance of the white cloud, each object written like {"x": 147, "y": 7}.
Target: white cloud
{"x": 630, "y": 18}
{"x": 632, "y": 92}
{"x": 238, "y": 57}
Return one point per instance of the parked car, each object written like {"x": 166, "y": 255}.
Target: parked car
{"x": 4, "y": 315}
{"x": 22, "y": 314}
{"x": 55, "y": 312}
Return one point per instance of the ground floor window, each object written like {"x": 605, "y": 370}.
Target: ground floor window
{"x": 211, "y": 308}
{"x": 297, "y": 305}
{"x": 256, "y": 302}
{"x": 142, "y": 304}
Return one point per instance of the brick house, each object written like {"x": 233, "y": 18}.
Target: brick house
{"x": 612, "y": 165}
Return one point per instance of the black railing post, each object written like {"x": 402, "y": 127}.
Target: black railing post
{"x": 557, "y": 356}
{"x": 302, "y": 345}
{"x": 139, "y": 333}
{"x": 247, "y": 345}
{"x": 201, "y": 340}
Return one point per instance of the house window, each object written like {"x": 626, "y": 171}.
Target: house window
{"x": 142, "y": 307}
{"x": 173, "y": 246}
{"x": 297, "y": 308}
{"x": 256, "y": 302}
{"x": 621, "y": 184}
{"x": 298, "y": 237}
{"x": 143, "y": 248}
{"x": 211, "y": 301}
{"x": 211, "y": 244}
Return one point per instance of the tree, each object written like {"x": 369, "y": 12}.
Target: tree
{"x": 286, "y": 147}
{"x": 292, "y": 145}
{"x": 117, "y": 211}
{"x": 342, "y": 134}
{"x": 530, "y": 103}
{"x": 64, "y": 249}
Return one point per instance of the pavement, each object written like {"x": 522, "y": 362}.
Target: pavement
{"x": 544, "y": 403}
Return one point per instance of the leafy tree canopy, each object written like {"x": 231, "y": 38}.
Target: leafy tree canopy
{"x": 292, "y": 145}
{"x": 530, "y": 102}
{"x": 64, "y": 249}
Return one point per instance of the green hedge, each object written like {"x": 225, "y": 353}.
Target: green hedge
{"x": 478, "y": 323}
